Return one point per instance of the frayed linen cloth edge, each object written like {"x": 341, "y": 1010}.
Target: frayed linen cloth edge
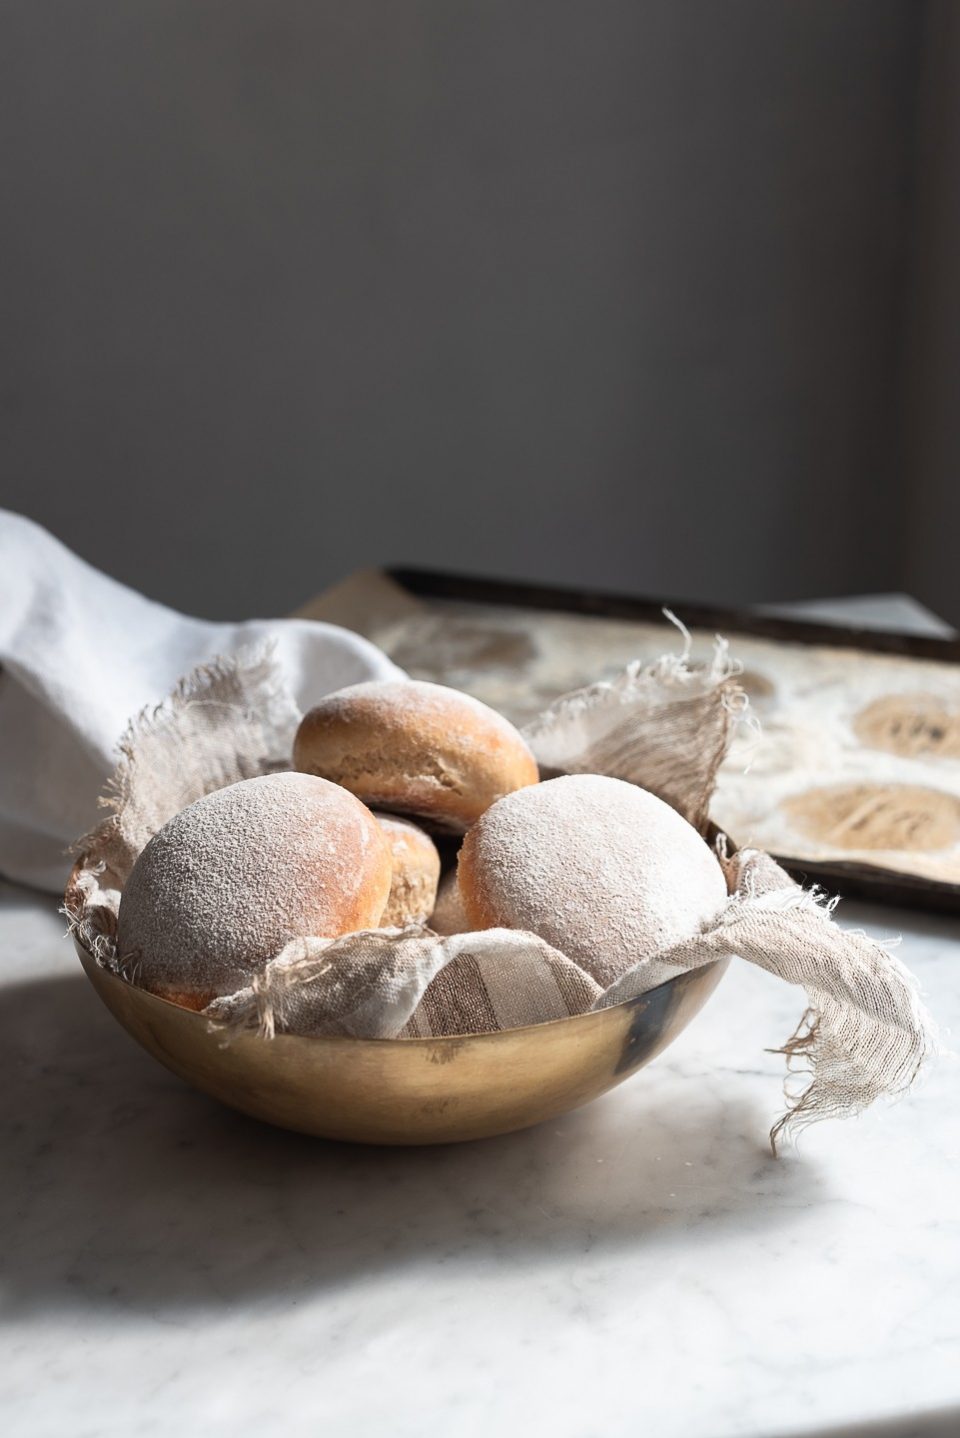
{"x": 865, "y": 1033}
{"x": 672, "y": 671}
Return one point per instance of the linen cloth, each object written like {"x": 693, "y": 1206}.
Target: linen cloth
{"x": 80, "y": 654}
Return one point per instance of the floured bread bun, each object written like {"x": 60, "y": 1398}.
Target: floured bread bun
{"x": 416, "y": 873}
{"x": 604, "y": 871}
{"x": 223, "y": 886}
{"x": 415, "y": 748}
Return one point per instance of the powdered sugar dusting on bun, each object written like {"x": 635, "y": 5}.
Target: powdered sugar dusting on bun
{"x": 223, "y": 886}
{"x": 604, "y": 871}
{"x": 415, "y": 748}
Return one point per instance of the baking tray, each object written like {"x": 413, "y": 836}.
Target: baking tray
{"x": 851, "y": 878}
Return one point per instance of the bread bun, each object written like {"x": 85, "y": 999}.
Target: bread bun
{"x": 607, "y": 873}
{"x": 223, "y": 886}
{"x": 416, "y": 873}
{"x": 449, "y": 916}
{"x": 415, "y": 748}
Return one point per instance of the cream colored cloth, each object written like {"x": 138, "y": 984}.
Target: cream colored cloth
{"x": 378, "y": 983}
{"x": 80, "y": 655}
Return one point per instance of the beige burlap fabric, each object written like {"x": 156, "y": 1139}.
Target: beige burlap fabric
{"x": 500, "y": 980}
{"x": 665, "y": 726}
{"x": 865, "y": 1032}
{"x": 391, "y": 983}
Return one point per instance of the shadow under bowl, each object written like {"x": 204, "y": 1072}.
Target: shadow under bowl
{"x": 410, "y": 1091}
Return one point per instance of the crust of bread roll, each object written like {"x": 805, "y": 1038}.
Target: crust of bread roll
{"x": 449, "y": 916}
{"x": 416, "y": 873}
{"x": 416, "y": 749}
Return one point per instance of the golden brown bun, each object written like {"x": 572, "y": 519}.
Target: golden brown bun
{"x": 227, "y": 882}
{"x": 415, "y": 748}
{"x": 416, "y": 873}
{"x": 605, "y": 872}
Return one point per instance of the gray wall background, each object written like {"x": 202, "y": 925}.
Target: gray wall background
{"x": 931, "y": 465}
{"x": 617, "y": 293}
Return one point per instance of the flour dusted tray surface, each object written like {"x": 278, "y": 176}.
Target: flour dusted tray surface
{"x": 854, "y": 779}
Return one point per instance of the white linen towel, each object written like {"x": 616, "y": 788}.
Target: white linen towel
{"x": 80, "y": 655}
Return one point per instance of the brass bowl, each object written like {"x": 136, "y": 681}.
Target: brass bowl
{"x": 411, "y": 1091}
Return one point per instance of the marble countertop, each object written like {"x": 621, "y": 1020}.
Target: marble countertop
{"x": 642, "y": 1265}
